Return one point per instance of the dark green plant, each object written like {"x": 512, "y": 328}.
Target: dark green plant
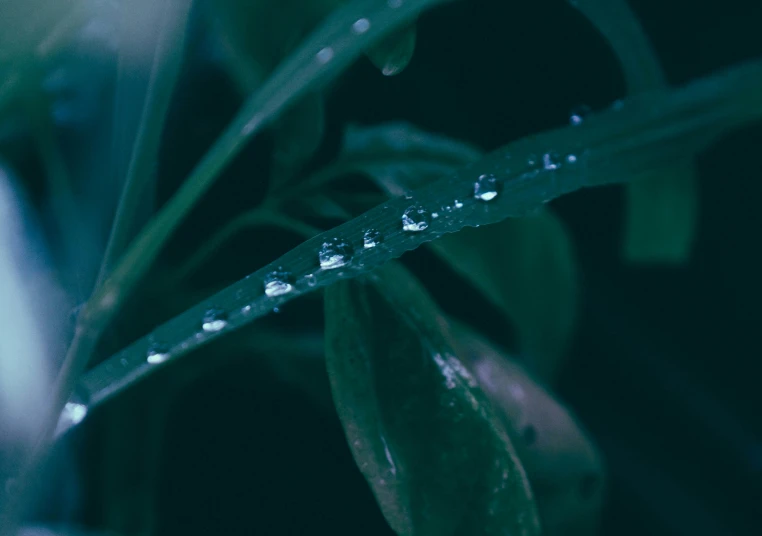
{"x": 441, "y": 447}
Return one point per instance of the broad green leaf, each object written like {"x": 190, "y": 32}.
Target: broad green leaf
{"x": 564, "y": 466}
{"x": 662, "y": 208}
{"x": 421, "y": 431}
{"x": 525, "y": 266}
{"x": 394, "y": 52}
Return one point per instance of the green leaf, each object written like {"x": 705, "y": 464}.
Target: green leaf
{"x": 394, "y": 52}
{"x": 423, "y": 434}
{"x": 525, "y": 266}
{"x": 564, "y": 466}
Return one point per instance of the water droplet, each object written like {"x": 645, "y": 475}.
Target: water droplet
{"x": 246, "y": 309}
{"x": 371, "y": 238}
{"x": 324, "y": 55}
{"x": 361, "y": 26}
{"x": 458, "y": 204}
{"x": 214, "y": 320}
{"x": 415, "y": 218}
{"x": 435, "y": 215}
{"x": 487, "y": 187}
{"x": 578, "y": 114}
{"x": 277, "y": 283}
{"x": 276, "y": 310}
{"x": 335, "y": 253}
{"x": 550, "y": 161}
{"x": 72, "y": 414}
{"x": 311, "y": 280}
{"x": 571, "y": 158}
{"x": 157, "y": 353}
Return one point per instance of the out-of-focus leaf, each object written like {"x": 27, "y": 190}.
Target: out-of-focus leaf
{"x": 261, "y": 32}
{"x": 394, "y": 52}
{"x": 424, "y": 436}
{"x": 564, "y": 467}
{"x": 527, "y": 268}
{"x": 662, "y": 216}
{"x": 404, "y": 141}
{"x": 662, "y": 209}
{"x": 32, "y": 323}
{"x": 524, "y": 266}
{"x": 298, "y": 134}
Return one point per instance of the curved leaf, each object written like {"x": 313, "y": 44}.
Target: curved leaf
{"x": 564, "y": 467}
{"x": 420, "y": 429}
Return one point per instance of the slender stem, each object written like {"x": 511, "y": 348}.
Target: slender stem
{"x": 164, "y": 73}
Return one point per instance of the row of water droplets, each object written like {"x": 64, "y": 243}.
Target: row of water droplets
{"x": 334, "y": 253}
{"x": 359, "y": 27}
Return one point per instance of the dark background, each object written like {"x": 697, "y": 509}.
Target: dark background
{"x": 664, "y": 369}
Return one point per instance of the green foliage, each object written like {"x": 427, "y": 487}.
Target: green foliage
{"x": 419, "y": 427}
{"x": 431, "y": 414}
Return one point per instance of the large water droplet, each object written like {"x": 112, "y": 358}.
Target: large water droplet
{"x": 571, "y": 158}
{"x": 458, "y": 204}
{"x": 415, "y": 218}
{"x": 214, "y": 320}
{"x": 578, "y": 114}
{"x": 277, "y": 283}
{"x": 74, "y": 412}
{"x": 487, "y": 187}
{"x": 371, "y": 238}
{"x": 361, "y": 26}
{"x": 311, "y": 280}
{"x": 157, "y": 353}
{"x": 335, "y": 253}
{"x": 324, "y": 55}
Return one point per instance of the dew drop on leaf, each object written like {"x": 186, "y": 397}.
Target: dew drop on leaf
{"x": 214, "y": 320}
{"x": 371, "y": 238}
{"x": 361, "y": 26}
{"x": 335, "y": 253}
{"x": 277, "y": 283}
{"x": 486, "y": 187}
{"x": 578, "y": 114}
{"x": 415, "y": 218}
{"x": 73, "y": 412}
{"x": 157, "y": 353}
{"x": 550, "y": 161}
{"x": 324, "y": 55}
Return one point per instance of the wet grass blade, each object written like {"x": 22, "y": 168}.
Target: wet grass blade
{"x": 647, "y": 133}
